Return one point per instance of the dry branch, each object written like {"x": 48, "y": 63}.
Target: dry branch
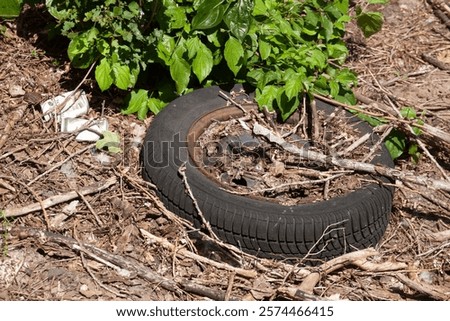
{"x": 438, "y": 12}
{"x": 435, "y": 62}
{"x": 428, "y": 129}
{"x": 433, "y": 293}
{"x": 358, "y": 259}
{"x": 61, "y": 198}
{"x": 351, "y": 164}
{"x": 311, "y": 280}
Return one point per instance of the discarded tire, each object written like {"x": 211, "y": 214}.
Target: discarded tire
{"x": 319, "y": 230}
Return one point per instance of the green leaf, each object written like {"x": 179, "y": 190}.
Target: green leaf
{"x": 138, "y": 99}
{"x": 239, "y": 18}
{"x": 192, "y": 45}
{"x": 337, "y": 51}
{"x": 346, "y": 78}
{"x": 80, "y": 52}
{"x": 111, "y": 141}
{"x": 267, "y": 96}
{"x": 334, "y": 88}
{"x": 103, "y": 74}
{"x": 327, "y": 27}
{"x": 373, "y": 121}
{"x": 134, "y": 74}
{"x": 255, "y": 76}
{"x": 209, "y": 14}
{"x": 175, "y": 17}
{"x": 134, "y": 7}
{"x": 10, "y": 8}
{"x": 203, "y": 62}
{"x": 348, "y": 98}
{"x": 260, "y": 8}
{"x": 286, "y": 105}
{"x": 180, "y": 71}
{"x": 122, "y": 75}
{"x": 103, "y": 47}
{"x": 155, "y": 105}
{"x": 142, "y": 113}
{"x": 369, "y": 22}
{"x": 408, "y": 113}
{"x": 293, "y": 87}
{"x": 234, "y": 54}
{"x": 264, "y": 49}
{"x": 396, "y": 143}
{"x": 165, "y": 48}
{"x": 414, "y": 152}
{"x": 317, "y": 59}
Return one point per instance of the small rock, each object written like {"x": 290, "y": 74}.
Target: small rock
{"x": 16, "y": 91}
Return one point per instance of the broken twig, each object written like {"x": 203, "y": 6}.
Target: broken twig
{"x": 58, "y": 199}
{"x": 351, "y": 164}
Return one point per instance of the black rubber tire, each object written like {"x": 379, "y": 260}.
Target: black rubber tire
{"x": 319, "y": 230}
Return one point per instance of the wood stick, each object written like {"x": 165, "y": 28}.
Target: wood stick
{"x": 435, "y": 62}
{"x": 311, "y": 280}
{"x": 351, "y": 164}
{"x": 61, "y": 198}
{"x": 423, "y": 288}
{"x": 428, "y": 129}
{"x": 314, "y": 121}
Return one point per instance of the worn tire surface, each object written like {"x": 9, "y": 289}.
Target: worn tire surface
{"x": 319, "y": 230}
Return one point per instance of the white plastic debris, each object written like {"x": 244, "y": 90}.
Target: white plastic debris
{"x": 75, "y": 105}
{"x": 92, "y": 132}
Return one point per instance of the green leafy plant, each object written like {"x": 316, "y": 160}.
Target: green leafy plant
{"x": 398, "y": 143}
{"x": 370, "y": 22}
{"x": 159, "y": 49}
{"x": 110, "y": 141}
{"x": 10, "y": 9}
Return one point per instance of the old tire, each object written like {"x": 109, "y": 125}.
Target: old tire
{"x": 320, "y": 230}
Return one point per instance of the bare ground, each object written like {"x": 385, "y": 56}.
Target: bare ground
{"x": 118, "y": 242}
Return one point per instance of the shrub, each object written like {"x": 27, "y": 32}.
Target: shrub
{"x": 284, "y": 49}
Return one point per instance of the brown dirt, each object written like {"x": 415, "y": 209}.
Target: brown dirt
{"x": 97, "y": 248}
